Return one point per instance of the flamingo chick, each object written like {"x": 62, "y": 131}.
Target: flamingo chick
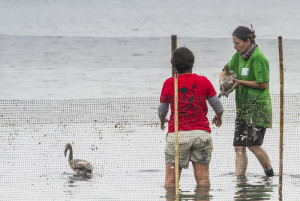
{"x": 80, "y": 167}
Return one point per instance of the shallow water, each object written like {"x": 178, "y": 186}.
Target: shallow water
{"x": 81, "y": 68}
{"x": 70, "y": 60}
{"x": 126, "y": 150}
{"x": 126, "y": 168}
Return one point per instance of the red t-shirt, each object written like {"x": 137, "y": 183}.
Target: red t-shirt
{"x": 193, "y": 90}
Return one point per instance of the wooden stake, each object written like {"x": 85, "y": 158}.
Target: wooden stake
{"x": 174, "y": 47}
{"x": 176, "y": 137}
{"x": 281, "y": 113}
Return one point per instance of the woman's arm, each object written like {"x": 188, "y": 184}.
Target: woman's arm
{"x": 252, "y": 84}
{"x": 163, "y": 109}
{"x": 217, "y": 106}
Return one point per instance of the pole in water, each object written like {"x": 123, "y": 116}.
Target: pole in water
{"x": 173, "y": 47}
{"x": 176, "y": 136}
{"x": 281, "y": 113}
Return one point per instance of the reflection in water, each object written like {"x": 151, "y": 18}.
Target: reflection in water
{"x": 247, "y": 191}
{"x": 200, "y": 193}
{"x": 71, "y": 181}
{"x": 74, "y": 178}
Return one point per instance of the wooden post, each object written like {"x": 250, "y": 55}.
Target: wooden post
{"x": 281, "y": 113}
{"x": 176, "y": 136}
{"x": 173, "y": 46}
{"x": 175, "y": 75}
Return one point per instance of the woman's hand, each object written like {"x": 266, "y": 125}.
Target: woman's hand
{"x": 236, "y": 83}
{"x": 162, "y": 123}
{"x": 217, "y": 120}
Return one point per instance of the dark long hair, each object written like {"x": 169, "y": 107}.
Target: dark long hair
{"x": 244, "y": 33}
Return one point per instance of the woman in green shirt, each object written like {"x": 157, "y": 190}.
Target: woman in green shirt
{"x": 253, "y": 103}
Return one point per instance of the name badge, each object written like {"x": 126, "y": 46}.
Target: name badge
{"x": 245, "y": 71}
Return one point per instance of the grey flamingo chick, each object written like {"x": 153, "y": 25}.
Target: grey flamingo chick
{"x": 226, "y": 84}
{"x": 80, "y": 167}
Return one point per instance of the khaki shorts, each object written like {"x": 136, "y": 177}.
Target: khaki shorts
{"x": 194, "y": 145}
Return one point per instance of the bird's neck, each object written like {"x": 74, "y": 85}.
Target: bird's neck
{"x": 71, "y": 154}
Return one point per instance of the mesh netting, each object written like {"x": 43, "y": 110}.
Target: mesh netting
{"x": 122, "y": 139}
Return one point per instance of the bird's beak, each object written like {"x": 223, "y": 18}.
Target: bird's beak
{"x": 66, "y": 152}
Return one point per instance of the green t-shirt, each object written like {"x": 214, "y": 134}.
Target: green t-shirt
{"x": 252, "y": 105}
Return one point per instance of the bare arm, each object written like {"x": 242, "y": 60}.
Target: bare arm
{"x": 252, "y": 84}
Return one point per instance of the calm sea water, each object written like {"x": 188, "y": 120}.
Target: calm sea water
{"x": 79, "y": 67}
{"x": 148, "y": 18}
{"x": 93, "y": 49}
{"x": 78, "y": 50}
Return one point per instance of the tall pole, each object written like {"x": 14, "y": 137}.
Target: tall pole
{"x": 281, "y": 113}
{"x": 176, "y": 136}
{"x": 173, "y": 46}
{"x": 175, "y": 75}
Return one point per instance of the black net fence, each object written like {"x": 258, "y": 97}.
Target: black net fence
{"x": 122, "y": 139}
